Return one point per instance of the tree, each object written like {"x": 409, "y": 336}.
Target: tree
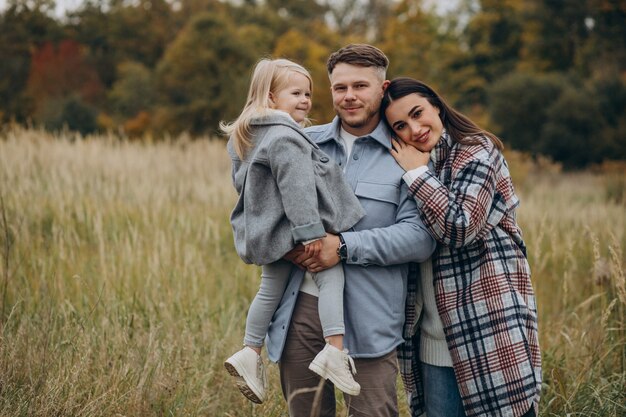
{"x": 611, "y": 97}
{"x": 133, "y": 91}
{"x": 24, "y": 28}
{"x": 412, "y": 43}
{"x": 573, "y": 130}
{"x": 493, "y": 38}
{"x": 59, "y": 72}
{"x": 364, "y": 19}
{"x": 518, "y": 108}
{"x": 204, "y": 74}
{"x": 300, "y": 48}
{"x": 554, "y": 35}
{"x": 119, "y": 31}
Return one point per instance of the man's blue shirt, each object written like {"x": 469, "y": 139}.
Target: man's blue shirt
{"x": 379, "y": 247}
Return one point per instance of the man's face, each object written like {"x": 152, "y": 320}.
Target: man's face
{"x": 357, "y": 92}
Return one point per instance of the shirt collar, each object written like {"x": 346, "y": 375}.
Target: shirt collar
{"x": 380, "y": 134}
{"x": 442, "y": 149}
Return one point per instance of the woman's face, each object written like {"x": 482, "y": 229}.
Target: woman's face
{"x": 415, "y": 121}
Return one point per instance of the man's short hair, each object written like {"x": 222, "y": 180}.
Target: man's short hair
{"x": 359, "y": 54}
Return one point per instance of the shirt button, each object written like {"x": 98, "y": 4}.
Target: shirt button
{"x": 324, "y": 159}
{"x": 354, "y": 259}
{"x": 355, "y": 157}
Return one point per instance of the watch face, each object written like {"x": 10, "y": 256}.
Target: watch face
{"x": 343, "y": 251}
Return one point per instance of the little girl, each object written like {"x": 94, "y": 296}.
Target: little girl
{"x": 290, "y": 193}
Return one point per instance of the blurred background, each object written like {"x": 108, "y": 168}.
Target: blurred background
{"x": 548, "y": 76}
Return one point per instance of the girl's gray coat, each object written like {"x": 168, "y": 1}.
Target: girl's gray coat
{"x": 289, "y": 192}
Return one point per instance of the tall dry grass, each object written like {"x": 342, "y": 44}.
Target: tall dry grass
{"x": 121, "y": 295}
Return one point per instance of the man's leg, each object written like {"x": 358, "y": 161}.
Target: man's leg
{"x": 302, "y": 388}
{"x": 378, "y": 396}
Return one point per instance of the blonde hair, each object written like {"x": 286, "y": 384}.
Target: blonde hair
{"x": 269, "y": 76}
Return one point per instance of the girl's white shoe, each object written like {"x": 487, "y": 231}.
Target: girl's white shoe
{"x": 336, "y": 365}
{"x": 247, "y": 366}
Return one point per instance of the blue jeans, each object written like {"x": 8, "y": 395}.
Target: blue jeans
{"x": 441, "y": 392}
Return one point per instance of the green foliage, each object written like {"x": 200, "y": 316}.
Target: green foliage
{"x": 202, "y": 76}
{"x": 22, "y": 30}
{"x": 611, "y": 97}
{"x": 299, "y": 47}
{"x": 124, "y": 31}
{"x": 518, "y": 106}
{"x": 494, "y": 37}
{"x": 572, "y": 133}
{"x": 68, "y": 112}
{"x": 556, "y": 40}
{"x": 192, "y": 59}
{"x": 561, "y": 117}
{"x": 133, "y": 91}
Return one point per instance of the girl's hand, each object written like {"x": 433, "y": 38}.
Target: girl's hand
{"x": 297, "y": 256}
{"x": 313, "y": 248}
{"x": 407, "y": 156}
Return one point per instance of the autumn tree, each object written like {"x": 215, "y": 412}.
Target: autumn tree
{"x": 413, "y": 44}
{"x": 204, "y": 74}
{"x": 24, "y": 27}
{"x": 61, "y": 75}
{"x": 299, "y": 47}
{"x": 133, "y": 96}
{"x": 118, "y": 31}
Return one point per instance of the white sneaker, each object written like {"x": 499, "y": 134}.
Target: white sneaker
{"x": 334, "y": 364}
{"x": 247, "y": 366}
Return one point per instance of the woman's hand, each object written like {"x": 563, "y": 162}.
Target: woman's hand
{"x": 407, "y": 156}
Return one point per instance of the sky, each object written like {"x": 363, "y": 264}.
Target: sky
{"x": 63, "y": 5}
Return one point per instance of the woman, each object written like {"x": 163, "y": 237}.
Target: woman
{"x": 477, "y": 348}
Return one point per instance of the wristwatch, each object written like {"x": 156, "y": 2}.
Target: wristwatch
{"x": 342, "y": 249}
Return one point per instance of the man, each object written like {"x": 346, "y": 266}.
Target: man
{"x": 375, "y": 253}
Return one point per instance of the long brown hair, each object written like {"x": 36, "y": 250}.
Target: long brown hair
{"x": 460, "y": 127}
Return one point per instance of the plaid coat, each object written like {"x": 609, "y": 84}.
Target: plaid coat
{"x": 482, "y": 283}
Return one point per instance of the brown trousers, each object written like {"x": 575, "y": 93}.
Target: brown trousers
{"x": 307, "y": 395}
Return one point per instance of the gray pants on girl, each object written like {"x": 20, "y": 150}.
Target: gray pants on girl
{"x": 274, "y": 279}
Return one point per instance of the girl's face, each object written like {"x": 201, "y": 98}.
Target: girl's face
{"x": 295, "y": 98}
{"x": 415, "y": 121}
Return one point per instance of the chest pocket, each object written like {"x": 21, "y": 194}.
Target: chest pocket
{"x": 380, "y": 202}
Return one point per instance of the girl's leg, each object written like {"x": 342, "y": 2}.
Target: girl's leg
{"x": 330, "y": 304}
{"x": 333, "y": 362}
{"x": 441, "y": 392}
{"x": 246, "y": 365}
{"x": 274, "y": 279}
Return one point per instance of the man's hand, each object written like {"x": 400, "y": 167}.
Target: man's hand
{"x": 327, "y": 256}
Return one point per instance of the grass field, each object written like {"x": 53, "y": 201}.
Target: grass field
{"x": 121, "y": 294}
